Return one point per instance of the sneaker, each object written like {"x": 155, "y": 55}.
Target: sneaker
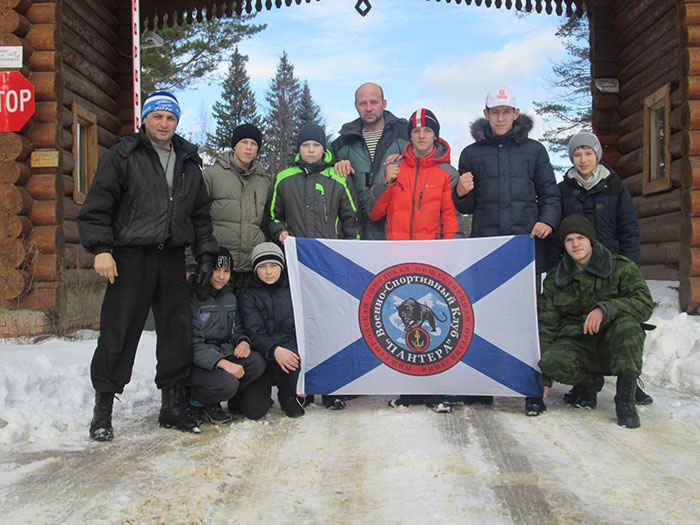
{"x": 337, "y": 404}
{"x": 441, "y": 407}
{"x": 534, "y": 406}
{"x": 400, "y": 402}
{"x": 291, "y": 407}
{"x": 215, "y": 415}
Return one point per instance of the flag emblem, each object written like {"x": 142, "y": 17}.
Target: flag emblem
{"x": 398, "y": 307}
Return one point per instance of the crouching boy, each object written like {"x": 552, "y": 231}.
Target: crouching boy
{"x": 268, "y": 318}
{"x": 226, "y": 369}
{"x": 590, "y": 319}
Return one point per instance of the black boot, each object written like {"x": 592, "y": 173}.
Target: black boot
{"x": 640, "y": 396}
{"x": 101, "y": 424}
{"x": 291, "y": 406}
{"x": 173, "y": 410}
{"x": 624, "y": 401}
{"x": 587, "y": 391}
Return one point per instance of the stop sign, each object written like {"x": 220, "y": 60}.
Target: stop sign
{"x": 16, "y": 100}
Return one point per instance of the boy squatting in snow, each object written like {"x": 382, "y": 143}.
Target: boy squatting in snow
{"x": 225, "y": 368}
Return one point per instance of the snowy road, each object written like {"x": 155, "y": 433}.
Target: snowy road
{"x": 371, "y": 464}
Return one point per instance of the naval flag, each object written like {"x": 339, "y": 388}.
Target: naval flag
{"x": 416, "y": 317}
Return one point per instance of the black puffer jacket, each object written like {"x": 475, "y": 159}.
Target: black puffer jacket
{"x": 268, "y": 317}
{"x": 129, "y": 203}
{"x": 514, "y": 184}
{"x": 216, "y": 328}
{"x": 608, "y": 206}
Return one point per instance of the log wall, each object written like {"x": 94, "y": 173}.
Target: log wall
{"x": 688, "y": 19}
{"x": 31, "y": 239}
{"x": 638, "y": 43}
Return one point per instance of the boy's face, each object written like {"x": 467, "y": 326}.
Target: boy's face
{"x": 585, "y": 161}
{"x": 311, "y": 151}
{"x": 423, "y": 140}
{"x": 269, "y": 272}
{"x": 501, "y": 118}
{"x": 245, "y": 152}
{"x": 220, "y": 278}
{"x": 579, "y": 248}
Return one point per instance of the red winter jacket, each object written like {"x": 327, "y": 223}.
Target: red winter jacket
{"x": 418, "y": 204}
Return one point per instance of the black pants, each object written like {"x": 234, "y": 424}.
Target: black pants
{"x": 252, "y": 391}
{"x": 148, "y": 278}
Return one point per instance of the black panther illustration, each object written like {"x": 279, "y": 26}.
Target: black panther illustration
{"x": 414, "y": 314}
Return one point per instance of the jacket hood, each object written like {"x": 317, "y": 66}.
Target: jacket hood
{"x": 481, "y": 130}
{"x": 183, "y": 148}
{"x": 355, "y": 127}
{"x": 226, "y": 161}
{"x": 440, "y": 155}
{"x": 600, "y": 265}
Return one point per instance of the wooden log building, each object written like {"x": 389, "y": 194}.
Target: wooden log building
{"x": 645, "y": 64}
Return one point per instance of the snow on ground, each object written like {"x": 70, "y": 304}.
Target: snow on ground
{"x": 368, "y": 463}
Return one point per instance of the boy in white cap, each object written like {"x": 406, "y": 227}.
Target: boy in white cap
{"x": 507, "y": 183}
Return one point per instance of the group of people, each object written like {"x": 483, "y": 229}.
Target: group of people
{"x": 225, "y": 334}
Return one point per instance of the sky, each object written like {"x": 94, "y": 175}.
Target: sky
{"x": 444, "y": 57}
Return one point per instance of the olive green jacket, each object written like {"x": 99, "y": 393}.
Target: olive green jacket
{"x": 611, "y": 282}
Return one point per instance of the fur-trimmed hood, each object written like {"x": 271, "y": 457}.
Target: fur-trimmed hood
{"x": 481, "y": 130}
{"x": 600, "y": 265}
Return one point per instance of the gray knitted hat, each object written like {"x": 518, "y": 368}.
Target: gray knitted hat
{"x": 585, "y": 138}
{"x": 267, "y": 252}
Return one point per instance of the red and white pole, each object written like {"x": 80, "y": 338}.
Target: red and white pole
{"x": 136, "y": 61}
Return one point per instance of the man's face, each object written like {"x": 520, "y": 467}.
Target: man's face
{"x": 269, "y": 272}
{"x": 585, "y": 161}
{"x": 501, "y": 118}
{"x": 423, "y": 140}
{"x": 370, "y": 105}
{"x": 160, "y": 127}
{"x": 245, "y": 151}
{"x": 311, "y": 151}
{"x": 579, "y": 248}
{"x": 220, "y": 278}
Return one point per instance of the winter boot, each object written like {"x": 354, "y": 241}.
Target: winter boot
{"x": 305, "y": 401}
{"x": 439, "y": 404}
{"x": 588, "y": 391}
{"x": 640, "y": 396}
{"x": 291, "y": 407}
{"x": 477, "y": 400}
{"x": 193, "y": 409}
{"x": 101, "y": 424}
{"x": 573, "y": 395}
{"x": 534, "y": 406}
{"x": 624, "y": 401}
{"x": 173, "y": 410}
{"x": 333, "y": 402}
{"x": 215, "y": 415}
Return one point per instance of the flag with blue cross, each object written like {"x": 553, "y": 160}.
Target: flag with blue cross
{"x": 416, "y": 317}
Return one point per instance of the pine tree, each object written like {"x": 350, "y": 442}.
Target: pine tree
{"x": 192, "y": 51}
{"x": 281, "y": 125}
{"x": 237, "y": 104}
{"x": 569, "y": 108}
{"x": 309, "y": 111}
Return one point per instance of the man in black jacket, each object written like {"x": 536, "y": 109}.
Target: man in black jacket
{"x": 146, "y": 204}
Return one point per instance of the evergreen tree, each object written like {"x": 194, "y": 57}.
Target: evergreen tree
{"x": 569, "y": 108}
{"x": 192, "y": 51}
{"x": 309, "y": 112}
{"x": 237, "y": 104}
{"x": 281, "y": 124}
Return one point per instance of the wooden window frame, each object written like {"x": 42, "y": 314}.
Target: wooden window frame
{"x": 660, "y": 98}
{"x": 83, "y": 117}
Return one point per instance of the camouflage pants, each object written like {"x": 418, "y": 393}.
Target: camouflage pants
{"x": 616, "y": 349}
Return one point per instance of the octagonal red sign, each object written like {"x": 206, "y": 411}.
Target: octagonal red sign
{"x": 16, "y": 100}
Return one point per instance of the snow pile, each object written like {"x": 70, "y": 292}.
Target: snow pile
{"x": 46, "y": 396}
{"x": 672, "y": 351}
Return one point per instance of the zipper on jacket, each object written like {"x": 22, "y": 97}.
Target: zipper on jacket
{"x": 413, "y": 200}
{"x": 420, "y": 199}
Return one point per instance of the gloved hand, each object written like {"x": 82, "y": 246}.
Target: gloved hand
{"x": 204, "y": 273}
